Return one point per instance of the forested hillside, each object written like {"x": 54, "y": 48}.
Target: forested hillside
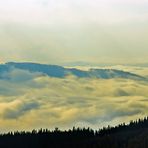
{"x": 133, "y": 135}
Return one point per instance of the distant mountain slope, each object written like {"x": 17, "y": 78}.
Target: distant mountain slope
{"x": 60, "y": 72}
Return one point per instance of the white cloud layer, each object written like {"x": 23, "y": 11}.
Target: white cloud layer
{"x": 46, "y": 102}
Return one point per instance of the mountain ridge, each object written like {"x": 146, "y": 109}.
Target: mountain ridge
{"x": 61, "y": 72}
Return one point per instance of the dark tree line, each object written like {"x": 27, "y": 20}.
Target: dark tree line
{"x": 133, "y": 135}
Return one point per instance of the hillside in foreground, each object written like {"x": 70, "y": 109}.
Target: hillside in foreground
{"x": 133, "y": 135}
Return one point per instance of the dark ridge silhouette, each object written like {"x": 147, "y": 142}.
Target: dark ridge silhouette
{"x": 133, "y": 135}
{"x": 61, "y": 72}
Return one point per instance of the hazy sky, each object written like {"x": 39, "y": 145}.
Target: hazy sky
{"x": 59, "y": 31}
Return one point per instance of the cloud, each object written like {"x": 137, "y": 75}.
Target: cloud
{"x": 41, "y": 101}
{"x": 19, "y": 110}
{"x": 16, "y": 82}
{"x": 18, "y": 75}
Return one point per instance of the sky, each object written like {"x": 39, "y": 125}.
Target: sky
{"x": 64, "y": 31}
